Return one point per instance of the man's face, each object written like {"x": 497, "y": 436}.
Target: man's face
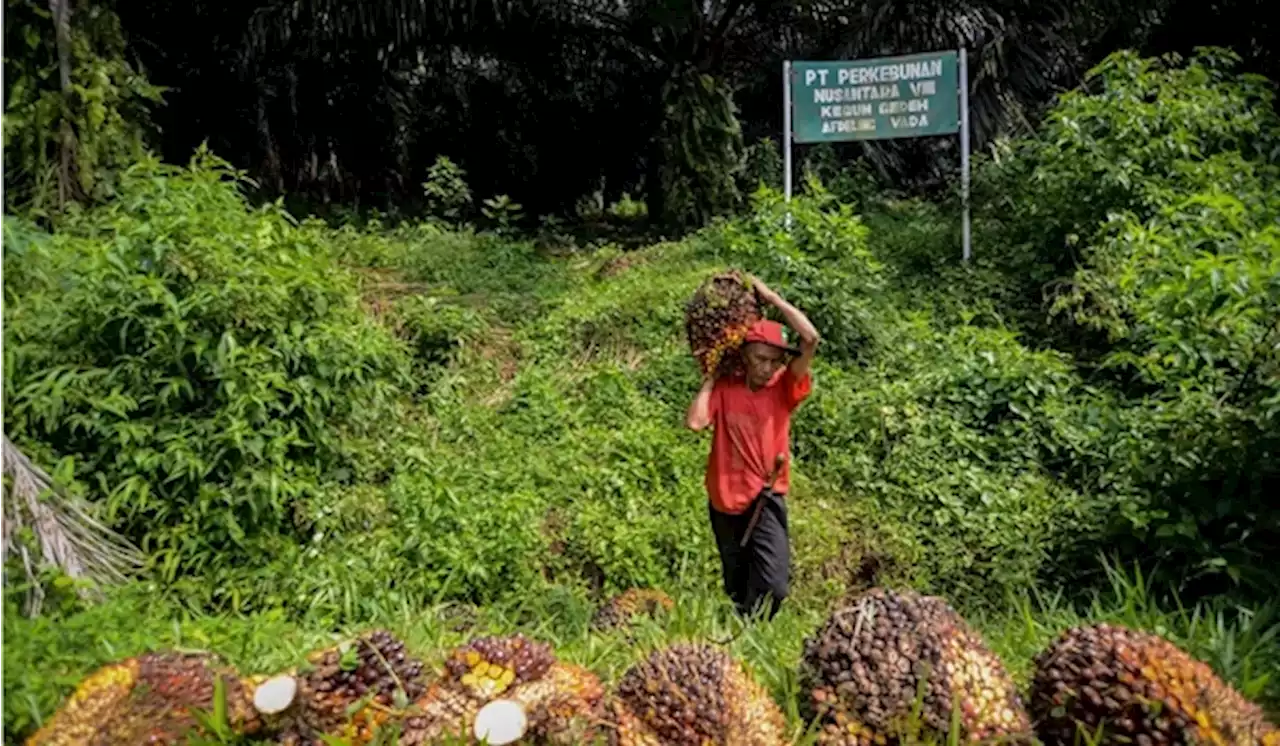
{"x": 762, "y": 361}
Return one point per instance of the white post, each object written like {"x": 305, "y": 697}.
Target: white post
{"x": 964, "y": 145}
{"x": 786, "y": 134}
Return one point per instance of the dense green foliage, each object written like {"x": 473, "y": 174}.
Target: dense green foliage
{"x": 101, "y": 119}
{"x": 325, "y": 102}
{"x": 195, "y": 357}
{"x": 311, "y": 427}
{"x": 1166, "y": 247}
{"x": 702, "y": 143}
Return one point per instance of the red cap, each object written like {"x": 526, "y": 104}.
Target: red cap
{"x": 770, "y": 333}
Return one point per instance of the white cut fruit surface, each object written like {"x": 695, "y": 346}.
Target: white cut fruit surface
{"x": 275, "y": 695}
{"x": 500, "y": 722}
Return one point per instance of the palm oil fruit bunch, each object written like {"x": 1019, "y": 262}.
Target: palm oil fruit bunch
{"x": 488, "y": 666}
{"x": 865, "y": 668}
{"x": 375, "y": 664}
{"x": 171, "y": 686}
{"x": 690, "y": 695}
{"x": 1142, "y": 690}
{"x": 625, "y": 606}
{"x": 149, "y": 699}
{"x": 443, "y": 713}
{"x": 98, "y": 698}
{"x": 564, "y": 707}
{"x": 717, "y": 318}
{"x": 560, "y": 704}
{"x": 352, "y": 689}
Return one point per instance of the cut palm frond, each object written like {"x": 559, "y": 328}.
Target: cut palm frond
{"x": 66, "y": 535}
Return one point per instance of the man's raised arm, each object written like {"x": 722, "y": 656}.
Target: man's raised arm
{"x": 795, "y": 319}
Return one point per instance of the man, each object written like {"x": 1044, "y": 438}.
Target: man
{"x": 749, "y": 469}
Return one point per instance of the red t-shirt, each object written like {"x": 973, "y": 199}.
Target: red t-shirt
{"x": 750, "y": 429}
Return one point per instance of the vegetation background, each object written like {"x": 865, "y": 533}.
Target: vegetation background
{"x": 353, "y": 314}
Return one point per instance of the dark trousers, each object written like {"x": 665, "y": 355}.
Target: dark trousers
{"x": 759, "y": 572}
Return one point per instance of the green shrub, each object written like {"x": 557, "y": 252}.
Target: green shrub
{"x": 1136, "y": 128}
{"x": 821, "y": 264}
{"x": 194, "y": 356}
{"x": 633, "y": 315}
{"x": 1148, "y": 197}
{"x": 1190, "y": 303}
{"x": 446, "y": 191}
{"x": 948, "y": 438}
{"x": 438, "y": 331}
{"x": 106, "y": 121}
{"x": 701, "y": 150}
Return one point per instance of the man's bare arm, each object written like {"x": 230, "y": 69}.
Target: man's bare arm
{"x": 700, "y": 410}
{"x": 795, "y": 319}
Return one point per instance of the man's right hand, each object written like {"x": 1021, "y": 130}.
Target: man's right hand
{"x": 763, "y": 291}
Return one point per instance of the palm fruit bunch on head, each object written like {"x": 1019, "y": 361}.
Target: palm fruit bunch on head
{"x": 150, "y": 699}
{"x": 353, "y": 689}
{"x": 691, "y": 694}
{"x": 865, "y": 668}
{"x": 717, "y": 318}
{"x": 1141, "y": 689}
{"x": 629, "y": 604}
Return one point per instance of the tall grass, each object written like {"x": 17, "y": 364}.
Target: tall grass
{"x": 45, "y": 657}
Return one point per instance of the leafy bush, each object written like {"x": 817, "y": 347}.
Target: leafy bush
{"x": 949, "y": 438}
{"x": 822, "y": 261}
{"x": 1190, "y": 303}
{"x": 103, "y": 124}
{"x": 448, "y": 196}
{"x": 438, "y": 331}
{"x": 1136, "y": 128}
{"x": 762, "y": 166}
{"x": 700, "y": 141}
{"x": 633, "y": 315}
{"x": 194, "y": 356}
{"x": 1144, "y": 211}
{"x": 627, "y": 208}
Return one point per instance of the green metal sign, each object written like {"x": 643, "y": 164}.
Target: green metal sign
{"x": 910, "y": 96}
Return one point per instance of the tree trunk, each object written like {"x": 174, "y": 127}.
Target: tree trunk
{"x": 61, "y": 10}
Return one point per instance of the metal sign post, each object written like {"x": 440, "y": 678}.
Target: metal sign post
{"x": 786, "y": 139}
{"x": 964, "y": 144}
{"x": 915, "y": 95}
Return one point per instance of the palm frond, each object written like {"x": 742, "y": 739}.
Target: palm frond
{"x": 67, "y": 536}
